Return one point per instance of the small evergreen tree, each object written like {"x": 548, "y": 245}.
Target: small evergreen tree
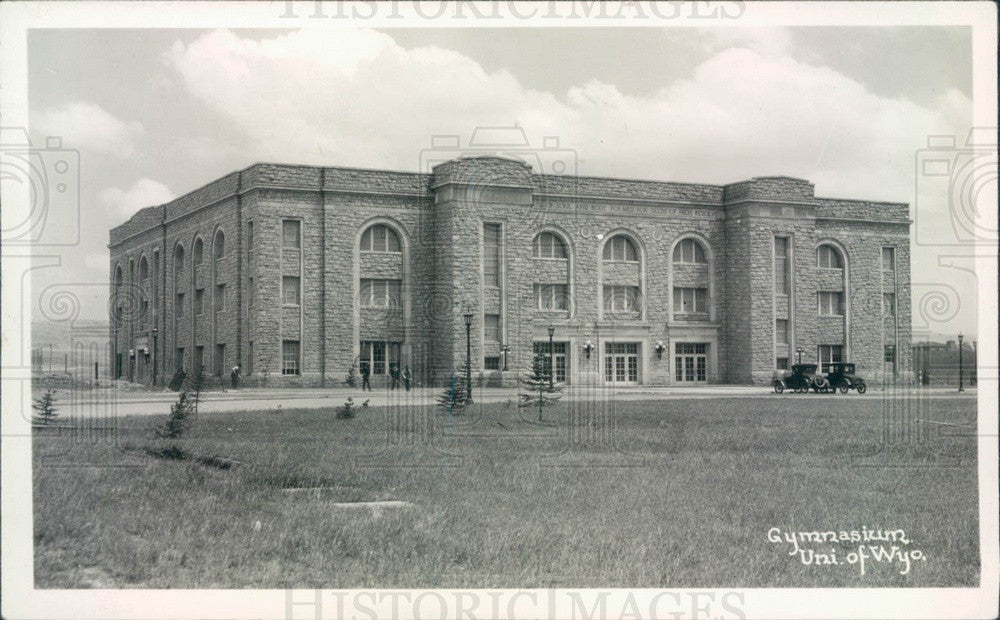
{"x": 183, "y": 411}
{"x": 352, "y": 374}
{"x": 346, "y": 411}
{"x": 455, "y": 397}
{"x": 538, "y": 389}
{"x": 179, "y": 421}
{"x": 45, "y": 406}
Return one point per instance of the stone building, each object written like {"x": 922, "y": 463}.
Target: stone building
{"x": 297, "y": 273}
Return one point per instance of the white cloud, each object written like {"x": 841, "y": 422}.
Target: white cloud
{"x": 354, "y": 97}
{"x": 123, "y": 204}
{"x": 87, "y": 126}
{"x": 765, "y": 41}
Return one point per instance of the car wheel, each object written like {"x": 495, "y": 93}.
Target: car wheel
{"x": 844, "y": 388}
{"x": 779, "y": 387}
{"x": 862, "y": 388}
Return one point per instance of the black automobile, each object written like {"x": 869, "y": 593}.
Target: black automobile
{"x": 800, "y": 379}
{"x": 842, "y": 377}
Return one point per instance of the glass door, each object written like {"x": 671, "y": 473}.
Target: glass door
{"x": 691, "y": 362}
{"x": 621, "y": 362}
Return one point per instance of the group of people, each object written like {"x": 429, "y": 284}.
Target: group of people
{"x": 394, "y": 376}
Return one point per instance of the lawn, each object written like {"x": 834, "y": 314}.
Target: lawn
{"x": 674, "y": 493}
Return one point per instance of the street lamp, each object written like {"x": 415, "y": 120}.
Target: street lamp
{"x": 800, "y": 351}
{"x": 960, "y": 338}
{"x": 155, "y": 334}
{"x": 468, "y": 357}
{"x": 552, "y": 366}
{"x": 505, "y": 349}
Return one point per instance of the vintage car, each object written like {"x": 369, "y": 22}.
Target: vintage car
{"x": 842, "y": 377}
{"x": 800, "y": 379}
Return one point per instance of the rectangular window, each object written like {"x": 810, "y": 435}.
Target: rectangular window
{"x": 249, "y": 236}
{"x": 491, "y": 362}
{"x": 781, "y": 274}
{"x": 179, "y": 305}
{"x": 781, "y": 331}
{"x": 220, "y": 297}
{"x": 831, "y": 303}
{"x": 888, "y": 304}
{"x": 888, "y": 259}
{"x": 290, "y": 357}
{"x": 220, "y": 359}
{"x": 291, "y": 233}
{"x": 144, "y": 312}
{"x": 781, "y": 363}
{"x": 379, "y": 356}
{"x": 690, "y": 300}
{"x": 199, "y": 300}
{"x": 828, "y": 354}
{"x": 619, "y": 298}
{"x": 491, "y": 254}
{"x": 250, "y": 292}
{"x": 249, "y": 358}
{"x": 380, "y": 293}
{"x": 199, "y": 359}
{"x": 178, "y": 359}
{"x": 551, "y": 297}
{"x": 491, "y": 327}
{"x": 290, "y": 293}
{"x": 890, "y": 353}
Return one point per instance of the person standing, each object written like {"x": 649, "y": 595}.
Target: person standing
{"x": 406, "y": 377}
{"x": 234, "y": 376}
{"x": 394, "y": 375}
{"x": 366, "y": 374}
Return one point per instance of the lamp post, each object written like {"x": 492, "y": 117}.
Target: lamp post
{"x": 552, "y": 366}
{"x": 960, "y": 387}
{"x": 505, "y": 349}
{"x": 155, "y": 334}
{"x": 468, "y": 357}
{"x": 800, "y": 351}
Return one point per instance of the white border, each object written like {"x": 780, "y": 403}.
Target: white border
{"x": 20, "y": 601}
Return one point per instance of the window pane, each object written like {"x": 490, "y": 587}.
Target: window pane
{"x": 491, "y": 327}
{"x": 888, "y": 259}
{"x": 290, "y": 233}
{"x": 781, "y": 331}
{"x": 290, "y": 290}
{"x": 366, "y": 240}
{"x": 392, "y": 240}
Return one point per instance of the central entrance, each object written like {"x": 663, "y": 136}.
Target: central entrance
{"x": 621, "y": 362}
{"x": 559, "y": 359}
{"x": 691, "y": 362}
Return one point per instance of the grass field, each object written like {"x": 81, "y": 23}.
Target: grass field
{"x": 676, "y": 493}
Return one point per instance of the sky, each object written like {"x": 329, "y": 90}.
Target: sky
{"x": 157, "y": 113}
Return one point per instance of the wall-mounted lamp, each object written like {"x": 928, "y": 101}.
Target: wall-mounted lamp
{"x": 587, "y": 348}
{"x": 505, "y": 350}
{"x": 660, "y": 348}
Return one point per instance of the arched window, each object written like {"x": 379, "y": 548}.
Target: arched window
{"x": 143, "y": 269}
{"x": 178, "y": 258}
{"x": 219, "y": 246}
{"x": 380, "y": 238}
{"x": 119, "y": 277}
{"x": 620, "y": 248}
{"x": 549, "y": 245}
{"x": 827, "y": 257}
{"x": 199, "y": 251}
{"x": 689, "y": 251}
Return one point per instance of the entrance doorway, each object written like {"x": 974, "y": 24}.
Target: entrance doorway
{"x": 691, "y": 362}
{"x": 559, "y": 358}
{"x": 621, "y": 362}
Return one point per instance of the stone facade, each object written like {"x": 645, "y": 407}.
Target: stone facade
{"x": 264, "y": 268}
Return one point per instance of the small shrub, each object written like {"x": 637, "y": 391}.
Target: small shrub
{"x": 346, "y": 411}
{"x": 45, "y": 406}
{"x": 455, "y": 397}
{"x": 539, "y": 390}
{"x": 352, "y": 374}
